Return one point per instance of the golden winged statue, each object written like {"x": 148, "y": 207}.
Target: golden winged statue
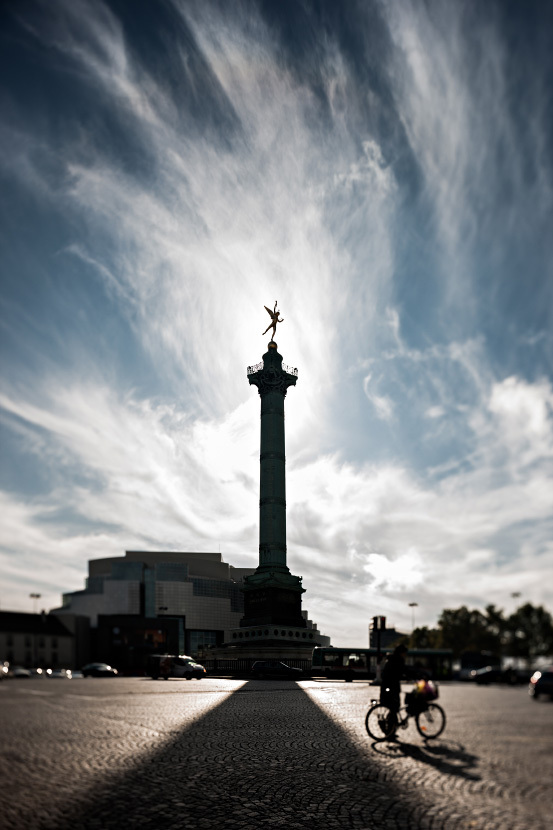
{"x": 274, "y": 319}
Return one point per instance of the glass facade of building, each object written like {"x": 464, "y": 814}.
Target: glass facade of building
{"x": 198, "y": 640}
{"x": 200, "y": 590}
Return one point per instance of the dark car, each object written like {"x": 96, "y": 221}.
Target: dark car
{"x": 275, "y": 669}
{"x": 541, "y": 683}
{"x": 99, "y": 670}
{"x": 19, "y": 672}
{"x": 495, "y": 674}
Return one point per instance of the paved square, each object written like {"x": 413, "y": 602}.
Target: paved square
{"x": 220, "y": 753}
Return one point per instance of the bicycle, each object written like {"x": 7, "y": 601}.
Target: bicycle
{"x": 382, "y": 723}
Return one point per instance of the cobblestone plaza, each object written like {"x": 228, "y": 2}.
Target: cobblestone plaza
{"x": 132, "y": 752}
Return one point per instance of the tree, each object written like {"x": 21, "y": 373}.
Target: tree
{"x": 424, "y": 638}
{"x": 529, "y": 633}
{"x": 464, "y": 630}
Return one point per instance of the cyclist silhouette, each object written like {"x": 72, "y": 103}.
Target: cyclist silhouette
{"x": 390, "y": 689}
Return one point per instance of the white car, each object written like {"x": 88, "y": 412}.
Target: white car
{"x": 175, "y": 665}
{"x": 60, "y": 674}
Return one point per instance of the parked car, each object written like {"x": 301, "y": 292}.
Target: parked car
{"x": 495, "y": 674}
{"x": 174, "y": 665}
{"x": 466, "y": 673}
{"x": 76, "y": 674}
{"x": 99, "y": 670}
{"x": 60, "y": 674}
{"x": 19, "y": 672}
{"x": 541, "y": 683}
{"x": 275, "y": 669}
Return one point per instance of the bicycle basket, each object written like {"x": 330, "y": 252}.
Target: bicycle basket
{"x": 425, "y": 690}
{"x": 431, "y": 691}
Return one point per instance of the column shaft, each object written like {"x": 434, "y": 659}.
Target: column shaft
{"x": 272, "y": 491}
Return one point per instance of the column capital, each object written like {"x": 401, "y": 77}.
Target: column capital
{"x": 272, "y": 375}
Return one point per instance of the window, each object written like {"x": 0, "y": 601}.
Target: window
{"x": 356, "y": 661}
{"x": 202, "y": 639}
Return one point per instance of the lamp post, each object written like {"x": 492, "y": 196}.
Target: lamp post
{"x": 413, "y": 605}
{"x": 34, "y": 598}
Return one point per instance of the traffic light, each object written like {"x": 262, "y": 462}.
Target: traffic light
{"x": 378, "y": 624}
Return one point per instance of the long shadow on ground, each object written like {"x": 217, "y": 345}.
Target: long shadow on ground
{"x": 448, "y": 757}
{"x": 265, "y": 757}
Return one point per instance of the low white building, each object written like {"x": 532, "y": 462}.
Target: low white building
{"x": 36, "y": 641}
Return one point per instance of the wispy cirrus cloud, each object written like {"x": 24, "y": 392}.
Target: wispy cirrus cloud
{"x": 182, "y": 170}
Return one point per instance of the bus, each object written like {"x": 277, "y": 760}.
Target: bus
{"x": 361, "y": 663}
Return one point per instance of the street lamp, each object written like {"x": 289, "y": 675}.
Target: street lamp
{"x": 413, "y": 605}
{"x": 34, "y": 597}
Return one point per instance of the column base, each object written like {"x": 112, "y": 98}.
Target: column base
{"x": 272, "y": 605}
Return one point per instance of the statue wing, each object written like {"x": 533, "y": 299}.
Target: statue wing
{"x": 269, "y": 312}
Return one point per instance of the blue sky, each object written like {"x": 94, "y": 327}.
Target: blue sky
{"x": 385, "y": 171}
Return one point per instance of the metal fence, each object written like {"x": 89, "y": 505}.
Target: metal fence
{"x": 243, "y": 665}
{"x": 252, "y": 370}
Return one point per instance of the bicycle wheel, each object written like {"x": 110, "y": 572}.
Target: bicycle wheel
{"x": 431, "y": 721}
{"x": 380, "y": 723}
